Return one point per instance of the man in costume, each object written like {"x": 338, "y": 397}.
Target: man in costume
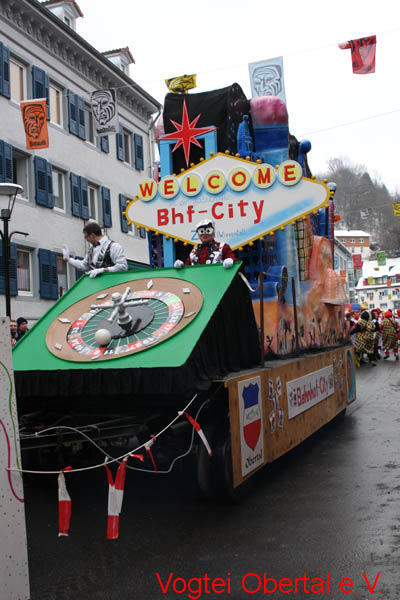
{"x": 104, "y": 256}
{"x": 209, "y": 251}
{"x": 389, "y": 335}
{"x": 364, "y": 341}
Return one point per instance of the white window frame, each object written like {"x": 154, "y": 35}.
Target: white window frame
{"x": 59, "y": 256}
{"x": 352, "y": 241}
{"x": 93, "y": 188}
{"x": 21, "y": 66}
{"x": 361, "y": 240}
{"x": 59, "y": 101}
{"x": 89, "y": 124}
{"x": 127, "y": 143}
{"x": 26, "y": 293}
{"x": 54, "y": 172}
{"x": 23, "y": 178}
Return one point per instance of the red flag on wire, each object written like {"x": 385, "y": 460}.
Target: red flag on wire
{"x": 199, "y": 430}
{"x": 64, "y": 504}
{"x": 362, "y": 54}
{"x": 115, "y": 497}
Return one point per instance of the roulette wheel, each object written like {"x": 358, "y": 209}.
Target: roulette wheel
{"x": 123, "y": 319}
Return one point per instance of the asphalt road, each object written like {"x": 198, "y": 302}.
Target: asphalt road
{"x": 329, "y": 507}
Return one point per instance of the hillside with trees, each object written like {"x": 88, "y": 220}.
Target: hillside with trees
{"x": 364, "y": 203}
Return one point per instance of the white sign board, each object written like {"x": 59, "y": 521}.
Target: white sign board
{"x": 306, "y": 391}
{"x": 251, "y": 424}
{"x": 14, "y": 577}
{"x": 246, "y": 200}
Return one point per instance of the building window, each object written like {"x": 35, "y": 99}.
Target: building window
{"x": 361, "y": 241}
{"x": 20, "y": 171}
{"x": 352, "y": 241}
{"x": 67, "y": 21}
{"x": 344, "y": 240}
{"x": 58, "y": 178}
{"x": 384, "y": 305}
{"x": 89, "y": 125}
{"x": 55, "y": 99}
{"x": 127, "y": 142}
{"x": 62, "y": 275}
{"x": 24, "y": 274}
{"x": 17, "y": 80}
{"x": 93, "y": 202}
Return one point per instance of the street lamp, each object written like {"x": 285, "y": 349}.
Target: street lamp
{"x": 8, "y": 193}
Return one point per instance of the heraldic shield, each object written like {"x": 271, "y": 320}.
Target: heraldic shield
{"x": 251, "y": 415}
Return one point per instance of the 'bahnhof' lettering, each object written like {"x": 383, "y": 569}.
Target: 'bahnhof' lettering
{"x": 238, "y": 179}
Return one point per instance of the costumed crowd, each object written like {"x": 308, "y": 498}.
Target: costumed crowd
{"x": 374, "y": 334}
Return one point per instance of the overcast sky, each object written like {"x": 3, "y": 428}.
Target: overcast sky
{"x": 344, "y": 115}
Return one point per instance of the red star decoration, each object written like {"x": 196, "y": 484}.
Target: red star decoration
{"x": 186, "y": 132}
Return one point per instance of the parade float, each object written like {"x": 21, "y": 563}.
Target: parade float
{"x": 254, "y": 358}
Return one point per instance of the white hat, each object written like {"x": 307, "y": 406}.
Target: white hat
{"x": 205, "y": 223}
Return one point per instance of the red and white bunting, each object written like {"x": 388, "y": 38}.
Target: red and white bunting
{"x": 199, "y": 431}
{"x": 148, "y": 446}
{"x": 64, "y": 505}
{"x": 115, "y": 497}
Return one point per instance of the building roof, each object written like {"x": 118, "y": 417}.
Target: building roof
{"x": 41, "y": 6}
{"x": 352, "y": 233}
{"x": 342, "y": 248}
{"x": 51, "y": 2}
{"x": 120, "y": 51}
{"x": 371, "y": 269}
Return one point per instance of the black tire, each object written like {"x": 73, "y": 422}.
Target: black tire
{"x": 215, "y": 474}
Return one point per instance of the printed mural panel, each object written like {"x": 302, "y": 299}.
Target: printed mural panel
{"x": 14, "y": 579}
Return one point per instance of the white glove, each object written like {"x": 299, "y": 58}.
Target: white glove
{"x": 95, "y": 272}
{"x": 228, "y": 263}
{"x": 65, "y": 252}
{"x": 178, "y": 264}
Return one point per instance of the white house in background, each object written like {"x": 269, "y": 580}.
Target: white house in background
{"x": 380, "y": 285}
{"x": 79, "y": 176}
{"x": 343, "y": 263}
{"x": 356, "y": 241}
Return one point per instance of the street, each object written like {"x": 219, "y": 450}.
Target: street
{"x": 328, "y": 510}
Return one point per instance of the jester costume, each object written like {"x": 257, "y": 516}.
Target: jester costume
{"x": 389, "y": 335}
{"x": 364, "y": 341}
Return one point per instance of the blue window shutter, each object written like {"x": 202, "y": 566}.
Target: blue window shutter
{"x": 105, "y": 144}
{"x": 75, "y": 195}
{"x": 48, "y": 274}
{"x": 84, "y": 198}
{"x": 40, "y": 86}
{"x": 81, "y": 117}
{"x": 47, "y": 96}
{"x": 41, "y": 181}
{"x": 13, "y": 270}
{"x": 120, "y": 146}
{"x": 8, "y": 163}
{"x": 106, "y": 199}
{"x": 72, "y": 113}
{"x": 5, "y": 71}
{"x": 139, "y": 163}
{"x": 50, "y": 197}
{"x": 122, "y": 207}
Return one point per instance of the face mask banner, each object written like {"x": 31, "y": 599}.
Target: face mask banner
{"x": 266, "y": 78}
{"x": 35, "y": 123}
{"x": 105, "y": 111}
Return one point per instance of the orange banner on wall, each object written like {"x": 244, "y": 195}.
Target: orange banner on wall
{"x": 35, "y": 123}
